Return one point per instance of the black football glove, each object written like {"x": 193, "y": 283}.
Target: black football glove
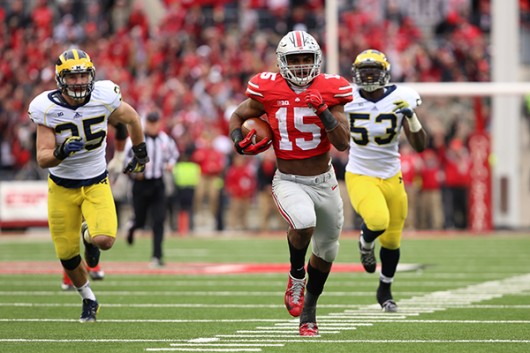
{"x": 68, "y": 147}
{"x": 138, "y": 162}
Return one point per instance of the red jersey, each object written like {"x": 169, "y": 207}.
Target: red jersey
{"x": 211, "y": 161}
{"x": 431, "y": 172}
{"x": 298, "y": 132}
{"x": 240, "y": 181}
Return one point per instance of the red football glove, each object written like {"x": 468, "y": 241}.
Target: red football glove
{"x": 314, "y": 100}
{"x": 245, "y": 146}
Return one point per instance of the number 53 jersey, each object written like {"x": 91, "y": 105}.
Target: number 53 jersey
{"x": 298, "y": 132}
{"x": 375, "y": 129}
{"x": 89, "y": 121}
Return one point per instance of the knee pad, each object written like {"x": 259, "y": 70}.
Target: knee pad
{"x": 327, "y": 252}
{"x": 71, "y": 264}
{"x": 377, "y": 221}
{"x": 391, "y": 240}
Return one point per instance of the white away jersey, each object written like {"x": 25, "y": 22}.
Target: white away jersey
{"x": 374, "y": 131}
{"x": 90, "y": 121}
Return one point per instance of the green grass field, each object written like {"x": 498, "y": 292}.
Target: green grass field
{"x": 469, "y": 293}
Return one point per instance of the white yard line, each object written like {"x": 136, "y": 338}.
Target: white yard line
{"x": 435, "y": 301}
{"x": 281, "y": 332}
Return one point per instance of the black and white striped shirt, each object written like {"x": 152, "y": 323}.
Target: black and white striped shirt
{"x": 162, "y": 151}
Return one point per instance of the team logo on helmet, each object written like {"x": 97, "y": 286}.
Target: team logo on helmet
{"x": 371, "y": 70}
{"x": 75, "y": 61}
{"x": 294, "y": 43}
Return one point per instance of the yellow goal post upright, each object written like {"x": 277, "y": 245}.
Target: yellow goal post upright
{"x": 499, "y": 193}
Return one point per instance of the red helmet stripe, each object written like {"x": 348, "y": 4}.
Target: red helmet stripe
{"x": 299, "y": 39}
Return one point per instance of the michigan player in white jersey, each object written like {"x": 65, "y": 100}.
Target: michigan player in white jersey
{"x": 72, "y": 127}
{"x": 377, "y": 115}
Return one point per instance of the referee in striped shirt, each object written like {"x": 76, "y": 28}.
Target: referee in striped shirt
{"x": 148, "y": 190}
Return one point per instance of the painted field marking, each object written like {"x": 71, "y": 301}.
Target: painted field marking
{"x": 180, "y": 268}
{"x": 360, "y": 312}
{"x": 437, "y": 301}
{"x": 461, "y": 298}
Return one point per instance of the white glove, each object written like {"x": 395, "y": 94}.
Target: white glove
{"x": 115, "y": 165}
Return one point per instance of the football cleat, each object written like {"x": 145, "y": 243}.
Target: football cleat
{"x": 66, "y": 283}
{"x": 368, "y": 258}
{"x": 389, "y": 306}
{"x": 294, "y": 296}
{"x": 156, "y": 263}
{"x": 90, "y": 310}
{"x": 130, "y": 236}
{"x": 309, "y": 329}
{"x": 384, "y": 298}
{"x": 91, "y": 251}
{"x": 96, "y": 273}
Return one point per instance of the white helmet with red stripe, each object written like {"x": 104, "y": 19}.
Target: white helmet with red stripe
{"x": 295, "y": 43}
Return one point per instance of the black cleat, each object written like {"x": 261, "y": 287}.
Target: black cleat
{"x": 130, "y": 236}
{"x": 90, "y": 310}
{"x": 368, "y": 258}
{"x": 91, "y": 251}
{"x": 384, "y": 298}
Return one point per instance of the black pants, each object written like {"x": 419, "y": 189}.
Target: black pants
{"x": 455, "y": 207}
{"x": 149, "y": 195}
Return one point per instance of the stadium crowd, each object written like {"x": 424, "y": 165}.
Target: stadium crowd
{"x": 191, "y": 61}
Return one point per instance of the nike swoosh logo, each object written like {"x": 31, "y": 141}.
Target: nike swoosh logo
{"x": 334, "y": 187}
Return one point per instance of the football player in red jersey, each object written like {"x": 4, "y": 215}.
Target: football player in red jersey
{"x": 305, "y": 110}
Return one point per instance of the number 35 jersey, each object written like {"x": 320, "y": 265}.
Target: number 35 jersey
{"x": 298, "y": 132}
{"x": 89, "y": 120}
{"x": 375, "y": 129}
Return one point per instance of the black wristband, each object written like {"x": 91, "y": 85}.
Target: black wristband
{"x": 58, "y": 153}
{"x": 328, "y": 120}
{"x": 140, "y": 152}
{"x": 236, "y": 135}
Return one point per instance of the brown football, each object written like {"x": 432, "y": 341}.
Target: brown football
{"x": 262, "y": 128}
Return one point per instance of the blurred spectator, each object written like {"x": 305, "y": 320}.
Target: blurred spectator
{"x": 68, "y": 31}
{"x": 186, "y": 175}
{"x": 456, "y": 166}
{"x": 430, "y": 212}
{"x": 42, "y": 16}
{"x": 212, "y": 163}
{"x": 410, "y": 166}
{"x": 240, "y": 184}
{"x": 17, "y": 18}
{"x": 269, "y": 217}
{"x": 193, "y": 60}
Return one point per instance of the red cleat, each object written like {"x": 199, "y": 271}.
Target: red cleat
{"x": 294, "y": 296}
{"x": 66, "y": 284}
{"x": 309, "y": 329}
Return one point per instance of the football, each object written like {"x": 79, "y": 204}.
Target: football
{"x": 262, "y": 128}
